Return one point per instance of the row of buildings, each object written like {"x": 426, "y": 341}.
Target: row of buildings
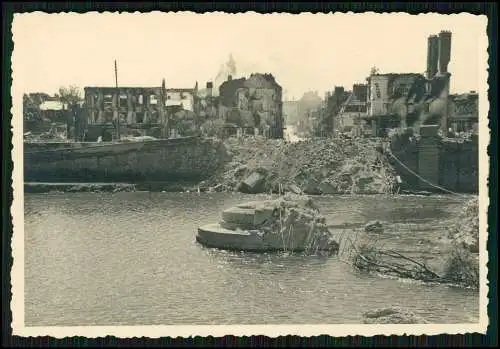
{"x": 395, "y": 101}
{"x": 253, "y": 104}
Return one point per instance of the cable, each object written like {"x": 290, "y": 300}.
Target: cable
{"x": 421, "y": 178}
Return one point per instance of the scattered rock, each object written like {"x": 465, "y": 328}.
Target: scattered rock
{"x": 393, "y": 315}
{"x": 374, "y": 227}
{"x": 294, "y": 189}
{"x": 254, "y": 183}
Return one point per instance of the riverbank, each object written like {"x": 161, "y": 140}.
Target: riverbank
{"x": 69, "y": 187}
{"x": 417, "y": 252}
{"x": 319, "y": 166}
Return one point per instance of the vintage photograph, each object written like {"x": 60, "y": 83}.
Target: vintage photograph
{"x": 184, "y": 171}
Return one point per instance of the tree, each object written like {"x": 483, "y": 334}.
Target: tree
{"x": 69, "y": 95}
{"x": 31, "y": 107}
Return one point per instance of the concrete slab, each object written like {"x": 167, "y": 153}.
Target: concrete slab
{"x": 237, "y": 215}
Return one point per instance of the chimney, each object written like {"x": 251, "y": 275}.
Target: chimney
{"x": 210, "y": 86}
{"x": 360, "y": 91}
{"x": 229, "y": 77}
{"x": 444, "y": 50}
{"x": 432, "y": 56}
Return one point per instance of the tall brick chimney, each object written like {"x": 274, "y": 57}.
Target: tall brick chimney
{"x": 432, "y": 56}
{"x": 210, "y": 87}
{"x": 444, "y": 50}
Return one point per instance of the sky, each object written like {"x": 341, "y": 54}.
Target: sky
{"x": 304, "y": 52}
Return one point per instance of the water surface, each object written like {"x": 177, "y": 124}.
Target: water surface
{"x": 132, "y": 259}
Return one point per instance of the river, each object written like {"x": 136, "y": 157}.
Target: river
{"x": 132, "y": 259}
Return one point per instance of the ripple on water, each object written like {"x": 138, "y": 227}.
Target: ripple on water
{"x": 132, "y": 259}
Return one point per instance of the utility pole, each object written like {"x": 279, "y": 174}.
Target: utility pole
{"x": 117, "y": 103}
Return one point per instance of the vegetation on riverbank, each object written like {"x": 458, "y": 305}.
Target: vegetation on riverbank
{"x": 459, "y": 251}
{"x": 320, "y": 166}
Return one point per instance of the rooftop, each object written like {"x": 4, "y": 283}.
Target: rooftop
{"x": 399, "y": 75}
{"x": 52, "y": 105}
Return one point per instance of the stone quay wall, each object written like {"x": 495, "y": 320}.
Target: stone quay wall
{"x": 448, "y": 163}
{"x": 184, "y": 159}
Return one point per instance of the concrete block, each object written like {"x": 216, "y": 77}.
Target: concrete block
{"x": 238, "y": 215}
{"x": 262, "y": 214}
{"x": 253, "y": 184}
{"x": 234, "y": 226}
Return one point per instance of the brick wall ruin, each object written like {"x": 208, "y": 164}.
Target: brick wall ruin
{"x": 132, "y": 106}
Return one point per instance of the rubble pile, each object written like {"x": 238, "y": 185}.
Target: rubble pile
{"x": 297, "y": 217}
{"x": 56, "y": 133}
{"x": 465, "y": 232}
{"x": 290, "y": 223}
{"x": 320, "y": 166}
{"x": 462, "y": 265}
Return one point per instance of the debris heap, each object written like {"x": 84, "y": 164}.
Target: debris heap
{"x": 320, "y": 166}
{"x": 462, "y": 265}
{"x": 465, "y": 232}
{"x": 461, "y": 253}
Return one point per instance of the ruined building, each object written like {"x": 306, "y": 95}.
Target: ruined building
{"x": 142, "y": 109}
{"x": 333, "y": 105}
{"x": 412, "y": 99}
{"x": 463, "y": 113}
{"x": 207, "y": 107}
{"x": 251, "y": 103}
{"x": 353, "y": 108}
{"x": 109, "y": 108}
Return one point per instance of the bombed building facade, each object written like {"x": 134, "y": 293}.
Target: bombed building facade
{"x": 254, "y": 102}
{"x": 412, "y": 99}
{"x": 145, "y": 110}
{"x": 353, "y": 107}
{"x": 110, "y": 110}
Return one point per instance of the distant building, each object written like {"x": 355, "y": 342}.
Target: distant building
{"x": 309, "y": 103}
{"x": 463, "y": 112}
{"x": 53, "y": 110}
{"x": 291, "y": 112}
{"x": 334, "y": 102}
{"x": 183, "y": 97}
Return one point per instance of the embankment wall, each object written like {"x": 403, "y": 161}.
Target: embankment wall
{"x": 188, "y": 159}
{"x": 453, "y": 165}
